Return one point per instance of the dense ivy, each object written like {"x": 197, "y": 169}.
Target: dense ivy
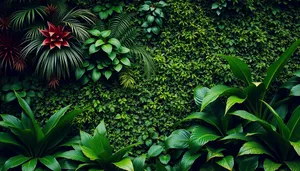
{"x": 185, "y": 56}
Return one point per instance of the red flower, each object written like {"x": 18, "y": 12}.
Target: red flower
{"x": 55, "y": 36}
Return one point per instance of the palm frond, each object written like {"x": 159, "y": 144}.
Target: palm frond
{"x": 33, "y": 32}
{"x": 78, "y": 30}
{"x": 119, "y": 24}
{"x": 141, "y": 53}
{"x": 126, "y": 79}
{"x": 27, "y": 16}
{"x": 128, "y": 37}
{"x": 59, "y": 63}
{"x": 33, "y": 45}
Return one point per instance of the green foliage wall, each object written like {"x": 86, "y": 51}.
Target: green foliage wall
{"x": 185, "y": 56}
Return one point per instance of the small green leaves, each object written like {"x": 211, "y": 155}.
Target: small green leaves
{"x": 123, "y": 50}
{"x": 150, "y": 19}
{"x": 107, "y": 74}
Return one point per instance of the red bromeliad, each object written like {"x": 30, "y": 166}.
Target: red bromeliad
{"x": 56, "y": 36}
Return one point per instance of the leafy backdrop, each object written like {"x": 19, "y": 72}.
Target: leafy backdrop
{"x": 185, "y": 56}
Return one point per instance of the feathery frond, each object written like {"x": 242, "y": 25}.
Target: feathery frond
{"x": 24, "y": 17}
{"x": 126, "y": 79}
{"x": 120, "y": 24}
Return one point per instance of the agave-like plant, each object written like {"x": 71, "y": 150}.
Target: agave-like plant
{"x": 30, "y": 144}
{"x": 95, "y": 152}
{"x": 54, "y": 41}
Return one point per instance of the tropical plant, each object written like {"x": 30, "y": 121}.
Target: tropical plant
{"x": 95, "y": 152}
{"x": 30, "y": 143}
{"x": 66, "y": 29}
{"x": 107, "y": 9}
{"x": 4, "y": 23}
{"x": 10, "y": 47}
{"x": 153, "y": 12}
{"x": 112, "y": 49}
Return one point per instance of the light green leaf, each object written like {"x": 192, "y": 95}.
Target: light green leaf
{"x": 293, "y": 165}
{"x": 95, "y": 32}
{"x": 232, "y": 100}
{"x": 150, "y": 19}
{"x": 295, "y": 91}
{"x": 93, "y": 49}
{"x": 115, "y": 42}
{"x": 164, "y": 159}
{"x": 226, "y": 162}
{"x": 213, "y": 153}
{"x": 89, "y": 153}
{"x": 199, "y": 94}
{"x": 107, "y": 48}
{"x": 118, "y": 67}
{"x": 107, "y": 74}
{"x": 125, "y": 61}
{"x": 269, "y": 165}
{"x": 253, "y": 148}
{"x": 125, "y": 164}
{"x": 296, "y": 146}
{"x": 89, "y": 41}
{"x": 99, "y": 42}
{"x": 105, "y": 33}
{"x": 123, "y": 49}
{"x": 14, "y": 162}
{"x": 215, "y": 5}
{"x": 30, "y": 165}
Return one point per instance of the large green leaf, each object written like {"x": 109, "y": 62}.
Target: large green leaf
{"x": 14, "y": 162}
{"x": 188, "y": 160}
{"x": 296, "y": 146}
{"x": 155, "y": 150}
{"x": 73, "y": 155}
{"x": 237, "y": 136}
{"x": 294, "y": 125}
{"x": 139, "y": 163}
{"x": 200, "y": 136}
{"x": 7, "y": 138}
{"x": 117, "y": 156}
{"x": 105, "y": 33}
{"x": 99, "y": 42}
{"x": 239, "y": 69}
{"x": 100, "y": 129}
{"x": 125, "y": 164}
{"x": 30, "y": 165}
{"x": 37, "y": 129}
{"x": 115, "y": 42}
{"x": 125, "y": 61}
{"x": 232, "y": 100}
{"x": 178, "y": 139}
{"x": 293, "y": 165}
{"x": 54, "y": 119}
{"x": 253, "y": 148}
{"x": 248, "y": 163}
{"x": 276, "y": 67}
{"x": 213, "y": 153}
{"x": 295, "y": 91}
{"x": 250, "y": 117}
{"x": 226, "y": 162}
{"x": 269, "y": 165}
{"x": 284, "y": 130}
{"x": 208, "y": 118}
{"x": 199, "y": 94}
{"x": 51, "y": 163}
{"x": 217, "y": 91}
{"x": 95, "y": 32}
{"x": 88, "y": 152}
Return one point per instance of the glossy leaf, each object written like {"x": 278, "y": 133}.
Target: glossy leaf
{"x": 99, "y": 42}
{"x": 30, "y": 165}
{"x": 155, "y": 150}
{"x": 188, "y": 160}
{"x": 107, "y": 74}
{"x": 125, "y": 164}
{"x": 226, "y": 162}
{"x": 276, "y": 67}
{"x": 253, "y": 148}
{"x": 51, "y": 163}
{"x": 115, "y": 42}
{"x": 79, "y": 72}
{"x": 178, "y": 139}
{"x": 95, "y": 32}
{"x": 139, "y": 163}
{"x": 199, "y": 94}
{"x": 232, "y": 100}
{"x": 200, "y": 136}
{"x": 269, "y": 165}
{"x": 125, "y": 61}
{"x": 14, "y": 162}
{"x": 213, "y": 153}
{"x": 93, "y": 49}
{"x": 239, "y": 69}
